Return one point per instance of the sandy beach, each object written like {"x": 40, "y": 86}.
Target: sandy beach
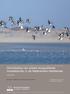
{"x": 27, "y": 37}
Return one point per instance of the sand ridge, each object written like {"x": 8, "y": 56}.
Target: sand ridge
{"x": 21, "y": 36}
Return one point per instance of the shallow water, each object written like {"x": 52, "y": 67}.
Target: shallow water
{"x": 21, "y": 53}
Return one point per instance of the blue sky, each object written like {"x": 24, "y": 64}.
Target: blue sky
{"x": 39, "y": 11}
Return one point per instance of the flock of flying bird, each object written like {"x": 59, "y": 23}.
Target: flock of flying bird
{"x": 20, "y": 24}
